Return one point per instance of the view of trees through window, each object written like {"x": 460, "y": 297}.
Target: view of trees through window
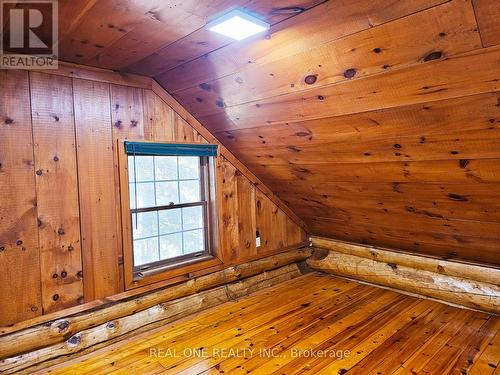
{"x": 168, "y": 204}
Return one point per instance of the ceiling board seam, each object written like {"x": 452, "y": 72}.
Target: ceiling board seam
{"x": 302, "y": 50}
{"x": 225, "y": 45}
{"x": 473, "y": 4}
{"x": 304, "y": 92}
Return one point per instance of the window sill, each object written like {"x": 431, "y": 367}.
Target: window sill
{"x": 174, "y": 270}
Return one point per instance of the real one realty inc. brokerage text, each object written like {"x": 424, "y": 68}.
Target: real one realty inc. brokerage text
{"x": 246, "y": 353}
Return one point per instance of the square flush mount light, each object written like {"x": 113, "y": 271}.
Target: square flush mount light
{"x": 237, "y": 25}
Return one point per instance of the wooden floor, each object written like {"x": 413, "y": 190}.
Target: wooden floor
{"x": 314, "y": 324}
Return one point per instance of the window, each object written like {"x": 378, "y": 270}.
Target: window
{"x": 169, "y": 190}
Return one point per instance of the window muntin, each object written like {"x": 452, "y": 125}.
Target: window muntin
{"x": 169, "y": 198}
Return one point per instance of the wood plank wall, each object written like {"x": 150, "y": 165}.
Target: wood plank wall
{"x": 376, "y": 124}
{"x": 60, "y": 236}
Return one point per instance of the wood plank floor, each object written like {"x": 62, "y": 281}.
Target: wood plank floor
{"x": 315, "y": 324}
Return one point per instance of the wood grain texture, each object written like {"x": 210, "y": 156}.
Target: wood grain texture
{"x": 72, "y": 70}
{"x": 100, "y": 253}
{"x": 468, "y": 271}
{"x": 201, "y": 41}
{"x": 387, "y": 47}
{"x": 127, "y": 119}
{"x": 470, "y": 114}
{"x": 238, "y": 214}
{"x": 209, "y": 137}
{"x": 57, "y": 331}
{"x": 20, "y": 255}
{"x": 471, "y": 73}
{"x": 324, "y": 23}
{"x": 435, "y": 162}
{"x": 487, "y": 14}
{"x": 154, "y": 35}
{"x": 393, "y": 140}
{"x": 453, "y": 201}
{"x": 365, "y": 328}
{"x": 158, "y": 119}
{"x": 103, "y": 114}
{"x": 103, "y": 23}
{"x": 462, "y": 171}
{"x": 422, "y": 276}
{"x": 270, "y": 223}
{"x": 165, "y": 312}
{"x": 57, "y": 191}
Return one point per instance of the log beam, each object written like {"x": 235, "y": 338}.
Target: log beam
{"x": 163, "y": 312}
{"x": 62, "y": 329}
{"x": 426, "y": 277}
{"x": 451, "y": 268}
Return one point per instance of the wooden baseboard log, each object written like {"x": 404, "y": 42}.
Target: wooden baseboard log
{"x": 62, "y": 329}
{"x": 475, "y": 272}
{"x": 408, "y": 276}
{"x": 163, "y": 313}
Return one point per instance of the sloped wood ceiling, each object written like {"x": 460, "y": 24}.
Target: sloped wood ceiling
{"x": 378, "y": 122}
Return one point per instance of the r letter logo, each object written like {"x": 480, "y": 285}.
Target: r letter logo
{"x": 29, "y": 34}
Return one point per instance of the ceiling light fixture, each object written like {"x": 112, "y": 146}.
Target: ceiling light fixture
{"x": 237, "y": 25}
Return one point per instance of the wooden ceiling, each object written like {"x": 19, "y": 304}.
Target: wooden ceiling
{"x": 377, "y": 122}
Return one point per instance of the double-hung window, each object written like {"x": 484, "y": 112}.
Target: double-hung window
{"x": 170, "y": 195}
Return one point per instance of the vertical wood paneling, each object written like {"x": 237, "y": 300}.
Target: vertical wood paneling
{"x": 158, "y": 119}
{"x": 20, "y": 296}
{"x": 57, "y": 191}
{"x": 77, "y": 124}
{"x": 238, "y": 214}
{"x": 294, "y": 233}
{"x": 127, "y": 114}
{"x": 276, "y": 229}
{"x": 127, "y": 118}
{"x": 278, "y": 225}
{"x": 229, "y": 212}
{"x": 186, "y": 133}
{"x": 247, "y": 227}
{"x": 101, "y": 255}
{"x": 264, "y": 222}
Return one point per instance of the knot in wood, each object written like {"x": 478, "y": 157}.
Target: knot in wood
{"x": 311, "y": 79}
{"x": 61, "y": 325}
{"x": 350, "y": 73}
{"x": 74, "y": 340}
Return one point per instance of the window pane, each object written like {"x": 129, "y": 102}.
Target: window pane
{"x": 145, "y": 194}
{"x": 143, "y": 168}
{"x": 167, "y": 193}
{"x": 171, "y": 245}
{"x": 193, "y": 241}
{"x": 131, "y": 175}
{"x": 146, "y": 251}
{"x": 192, "y": 217}
{"x": 166, "y": 167}
{"x": 131, "y": 192}
{"x": 190, "y": 191}
{"x": 146, "y": 225}
{"x": 170, "y": 221}
{"x": 189, "y": 167}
